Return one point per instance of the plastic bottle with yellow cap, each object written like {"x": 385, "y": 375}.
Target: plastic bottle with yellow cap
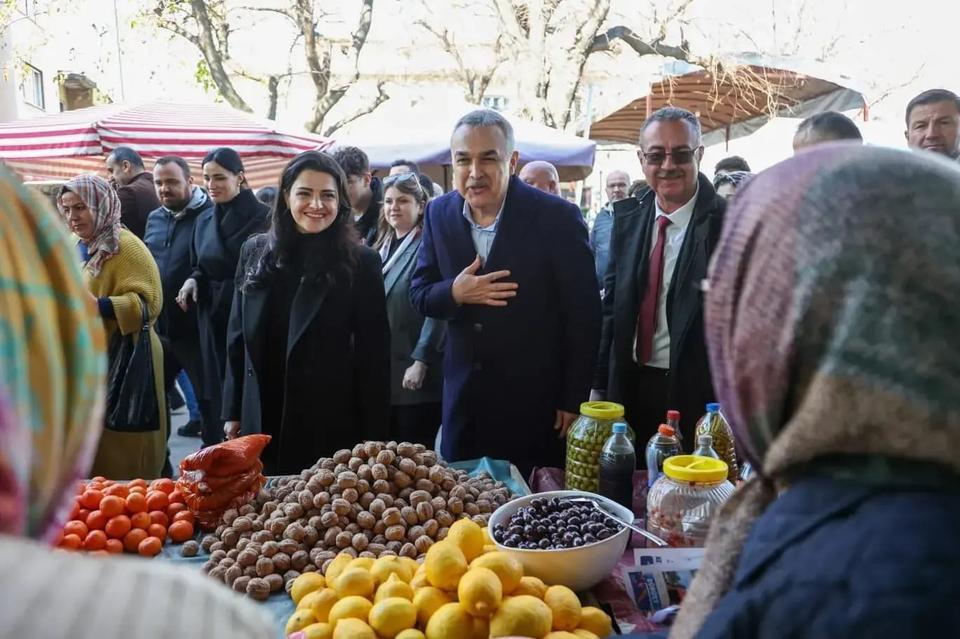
{"x": 682, "y": 502}
{"x": 585, "y": 442}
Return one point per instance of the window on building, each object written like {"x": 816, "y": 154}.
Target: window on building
{"x": 495, "y": 102}
{"x": 32, "y": 86}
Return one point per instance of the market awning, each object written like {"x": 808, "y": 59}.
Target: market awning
{"x": 62, "y": 145}
{"x": 420, "y": 131}
{"x": 735, "y": 100}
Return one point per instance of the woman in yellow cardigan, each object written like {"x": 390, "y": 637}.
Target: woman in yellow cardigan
{"x": 120, "y": 272}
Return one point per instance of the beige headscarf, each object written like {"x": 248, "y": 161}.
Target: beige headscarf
{"x": 832, "y": 325}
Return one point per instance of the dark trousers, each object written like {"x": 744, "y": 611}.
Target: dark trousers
{"x": 184, "y": 354}
{"x": 415, "y": 423}
{"x": 643, "y": 391}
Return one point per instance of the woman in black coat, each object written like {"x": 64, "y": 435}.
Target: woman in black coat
{"x": 308, "y": 343}
{"x": 218, "y": 235}
{"x": 416, "y": 342}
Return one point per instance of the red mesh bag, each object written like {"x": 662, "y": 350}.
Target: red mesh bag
{"x": 227, "y": 458}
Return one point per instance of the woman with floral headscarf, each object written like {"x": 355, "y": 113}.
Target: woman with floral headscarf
{"x": 121, "y": 275}
{"x": 52, "y": 371}
{"x": 833, "y": 314}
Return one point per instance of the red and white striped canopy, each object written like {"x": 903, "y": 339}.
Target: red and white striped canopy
{"x": 62, "y": 145}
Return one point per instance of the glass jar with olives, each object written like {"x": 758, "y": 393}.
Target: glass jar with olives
{"x": 585, "y": 442}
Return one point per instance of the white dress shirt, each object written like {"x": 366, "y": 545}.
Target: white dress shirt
{"x": 673, "y": 242}
{"x": 483, "y": 236}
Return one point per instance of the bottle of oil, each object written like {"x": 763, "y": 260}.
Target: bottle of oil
{"x": 714, "y": 424}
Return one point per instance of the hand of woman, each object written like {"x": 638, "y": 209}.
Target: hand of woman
{"x": 187, "y": 292}
{"x": 231, "y": 430}
{"x": 413, "y": 376}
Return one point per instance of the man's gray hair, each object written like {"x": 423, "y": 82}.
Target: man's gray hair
{"x": 488, "y": 117}
{"x": 674, "y": 114}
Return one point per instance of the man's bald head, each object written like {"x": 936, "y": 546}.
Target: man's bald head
{"x": 541, "y": 175}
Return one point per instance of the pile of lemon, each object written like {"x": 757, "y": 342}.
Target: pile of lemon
{"x": 465, "y": 589}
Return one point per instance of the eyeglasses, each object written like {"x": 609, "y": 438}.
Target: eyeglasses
{"x": 403, "y": 177}
{"x": 680, "y": 156}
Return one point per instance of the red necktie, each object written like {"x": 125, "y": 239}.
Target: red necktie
{"x": 647, "y": 321}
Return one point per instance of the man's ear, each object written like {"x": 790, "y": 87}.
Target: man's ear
{"x": 126, "y": 166}
{"x": 514, "y": 162}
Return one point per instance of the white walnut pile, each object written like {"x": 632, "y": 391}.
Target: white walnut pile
{"x": 377, "y": 499}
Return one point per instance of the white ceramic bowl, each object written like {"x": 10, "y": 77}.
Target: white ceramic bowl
{"x": 577, "y": 568}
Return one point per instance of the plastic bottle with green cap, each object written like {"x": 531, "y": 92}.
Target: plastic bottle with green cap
{"x": 617, "y": 463}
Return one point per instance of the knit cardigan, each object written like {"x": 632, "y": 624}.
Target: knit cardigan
{"x": 125, "y": 278}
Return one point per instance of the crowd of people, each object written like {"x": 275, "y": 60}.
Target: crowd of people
{"x": 815, "y": 301}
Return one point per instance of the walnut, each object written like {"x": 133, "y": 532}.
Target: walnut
{"x": 329, "y": 519}
{"x": 299, "y": 559}
{"x": 363, "y": 487}
{"x": 347, "y": 480}
{"x": 190, "y": 549}
{"x": 217, "y": 545}
{"x": 330, "y": 537}
{"x": 455, "y": 506}
{"x": 355, "y": 463}
{"x": 342, "y": 456}
{"x": 402, "y": 479}
{"x": 415, "y": 532}
{"x": 484, "y": 506}
{"x": 318, "y": 556}
{"x": 458, "y": 492}
{"x": 442, "y": 533}
{"x": 270, "y": 548}
{"x": 382, "y": 487}
{"x": 366, "y": 499}
{"x": 326, "y": 477}
{"x": 268, "y": 508}
{"x": 408, "y": 550}
{"x": 366, "y": 520}
{"x": 396, "y": 533}
{"x": 410, "y": 515}
{"x": 233, "y": 553}
{"x": 358, "y": 451}
{"x": 471, "y": 509}
{"x": 408, "y": 466}
{"x": 379, "y": 527}
{"x": 240, "y": 583}
{"x": 328, "y": 464}
{"x": 281, "y": 561}
{"x": 394, "y": 546}
{"x": 277, "y": 526}
{"x": 404, "y": 496}
{"x": 310, "y": 535}
{"x": 250, "y": 571}
{"x": 386, "y": 457}
{"x": 430, "y": 527}
{"x": 246, "y": 558}
{"x": 425, "y": 485}
{"x": 392, "y": 517}
{"x": 264, "y": 566}
{"x": 242, "y": 544}
{"x": 344, "y": 539}
{"x": 376, "y": 548}
{"x": 418, "y": 497}
{"x": 289, "y": 546}
{"x": 218, "y": 555}
{"x": 364, "y": 472}
{"x": 424, "y": 511}
{"x": 372, "y": 449}
{"x": 448, "y": 484}
{"x": 230, "y": 538}
{"x": 232, "y": 574}
{"x": 305, "y": 497}
{"x": 386, "y": 498}
{"x": 423, "y": 544}
{"x": 378, "y": 471}
{"x": 275, "y": 582}
{"x": 242, "y": 524}
{"x": 438, "y": 503}
{"x": 351, "y": 495}
{"x": 217, "y": 572}
{"x": 359, "y": 541}
{"x": 293, "y": 510}
{"x": 258, "y": 589}
{"x": 295, "y": 532}
{"x": 229, "y": 515}
{"x": 436, "y": 474}
{"x": 227, "y": 562}
{"x": 481, "y": 520}
{"x": 342, "y": 507}
{"x": 262, "y": 536}
{"x": 208, "y": 541}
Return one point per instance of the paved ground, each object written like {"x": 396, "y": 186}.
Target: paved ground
{"x": 180, "y": 447}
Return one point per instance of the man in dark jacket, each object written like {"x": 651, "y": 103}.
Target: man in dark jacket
{"x": 134, "y": 187}
{"x": 510, "y": 268}
{"x": 365, "y": 191}
{"x": 169, "y": 234}
{"x": 652, "y": 351}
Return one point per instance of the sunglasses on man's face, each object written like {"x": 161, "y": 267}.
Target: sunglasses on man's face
{"x": 680, "y": 156}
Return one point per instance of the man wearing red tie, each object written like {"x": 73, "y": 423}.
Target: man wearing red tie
{"x": 652, "y": 351}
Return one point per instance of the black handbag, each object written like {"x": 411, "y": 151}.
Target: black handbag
{"x": 131, "y": 386}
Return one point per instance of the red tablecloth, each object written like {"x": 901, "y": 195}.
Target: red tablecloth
{"x": 611, "y": 590}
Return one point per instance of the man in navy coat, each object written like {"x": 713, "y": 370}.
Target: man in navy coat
{"x": 510, "y": 269}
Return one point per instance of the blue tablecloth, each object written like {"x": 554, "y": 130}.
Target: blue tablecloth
{"x": 280, "y": 606}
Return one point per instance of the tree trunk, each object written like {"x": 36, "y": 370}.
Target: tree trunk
{"x": 214, "y": 57}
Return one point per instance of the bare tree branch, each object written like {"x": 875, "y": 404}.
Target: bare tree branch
{"x": 475, "y": 82}
{"x": 382, "y": 97}
{"x": 603, "y": 42}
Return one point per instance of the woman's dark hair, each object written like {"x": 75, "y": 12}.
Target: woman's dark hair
{"x": 335, "y": 257}
{"x": 268, "y": 195}
{"x": 228, "y": 159}
{"x": 409, "y": 184}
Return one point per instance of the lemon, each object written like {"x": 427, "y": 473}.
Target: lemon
{"x": 420, "y": 578}
{"x": 468, "y": 536}
{"x": 299, "y": 620}
{"x": 366, "y": 563}
{"x": 560, "y": 634}
{"x": 481, "y": 628}
{"x": 337, "y": 565}
{"x": 508, "y": 569}
{"x": 392, "y": 615}
{"x": 428, "y": 600}
{"x": 488, "y": 548}
{"x": 445, "y": 564}
{"x": 412, "y": 563}
{"x": 412, "y": 633}
{"x": 523, "y": 616}
{"x": 487, "y": 541}
{"x": 596, "y": 621}
{"x": 584, "y": 634}
{"x": 353, "y": 629}
{"x": 394, "y": 587}
{"x": 318, "y": 631}
{"x": 349, "y": 608}
{"x": 531, "y": 586}
{"x": 320, "y": 602}
{"x": 305, "y": 584}
{"x": 565, "y": 606}
{"x": 449, "y": 622}
{"x": 354, "y": 581}
{"x": 480, "y": 592}
{"x": 382, "y": 568}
